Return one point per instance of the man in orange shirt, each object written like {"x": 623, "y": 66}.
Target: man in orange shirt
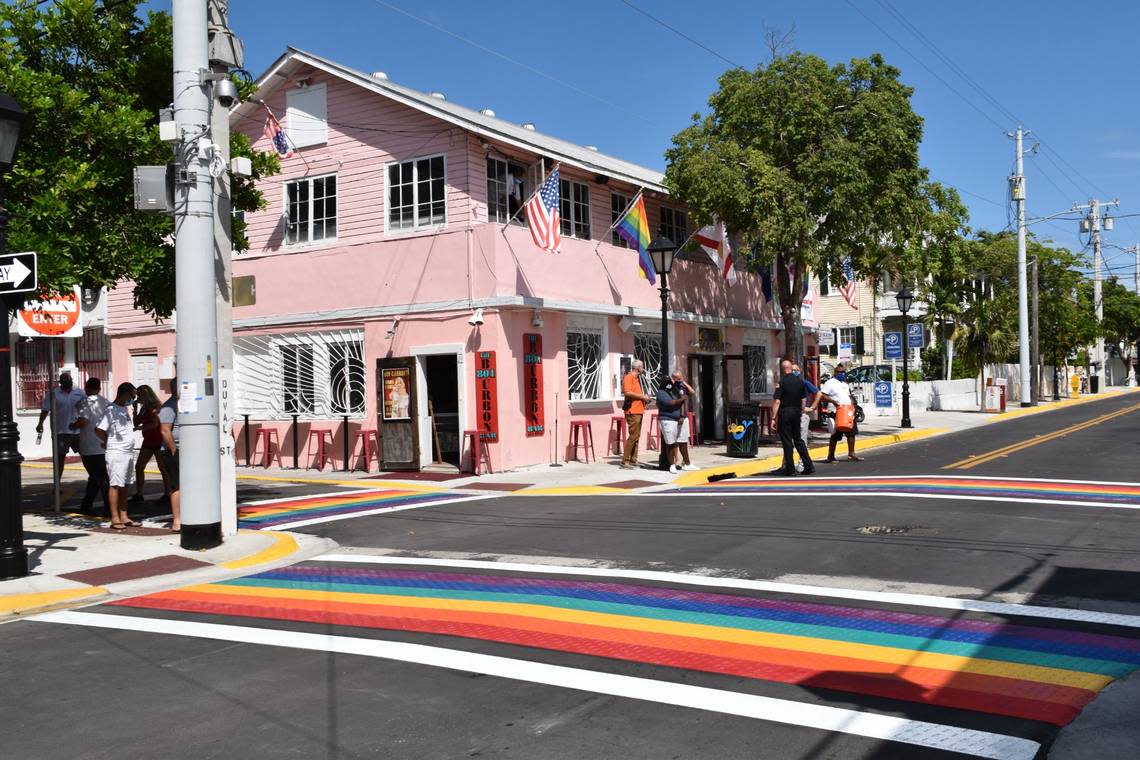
{"x": 634, "y": 408}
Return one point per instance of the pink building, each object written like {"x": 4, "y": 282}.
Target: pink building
{"x": 392, "y": 231}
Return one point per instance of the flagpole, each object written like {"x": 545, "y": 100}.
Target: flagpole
{"x": 530, "y": 197}
{"x": 620, "y": 217}
{"x": 296, "y": 150}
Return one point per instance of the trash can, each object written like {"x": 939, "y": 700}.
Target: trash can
{"x": 742, "y": 422}
{"x": 1094, "y": 384}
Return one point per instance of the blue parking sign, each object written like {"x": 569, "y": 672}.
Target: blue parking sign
{"x": 894, "y": 349}
{"x": 915, "y": 335}
{"x": 883, "y": 394}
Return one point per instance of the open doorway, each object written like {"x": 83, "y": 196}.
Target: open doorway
{"x": 440, "y": 373}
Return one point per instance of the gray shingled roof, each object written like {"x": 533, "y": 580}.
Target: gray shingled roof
{"x": 490, "y": 127}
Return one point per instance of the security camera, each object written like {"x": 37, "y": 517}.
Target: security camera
{"x": 226, "y": 92}
{"x": 476, "y": 318}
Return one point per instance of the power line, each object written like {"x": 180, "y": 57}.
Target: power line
{"x": 679, "y": 33}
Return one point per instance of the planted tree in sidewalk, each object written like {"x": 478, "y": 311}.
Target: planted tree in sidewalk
{"x": 92, "y": 77}
{"x": 1121, "y": 324}
{"x": 810, "y": 164}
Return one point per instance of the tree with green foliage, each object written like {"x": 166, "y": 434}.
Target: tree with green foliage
{"x": 92, "y": 77}
{"x": 811, "y": 165}
{"x": 1121, "y": 324}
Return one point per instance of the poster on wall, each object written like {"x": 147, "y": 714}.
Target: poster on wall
{"x": 532, "y": 384}
{"x": 487, "y": 393}
{"x": 397, "y": 396}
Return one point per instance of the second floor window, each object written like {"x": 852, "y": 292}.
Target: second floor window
{"x": 575, "y": 210}
{"x": 675, "y": 224}
{"x": 506, "y": 191}
{"x": 417, "y": 194}
{"x": 618, "y": 204}
{"x": 310, "y": 209}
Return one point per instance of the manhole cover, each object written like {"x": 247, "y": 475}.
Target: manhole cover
{"x": 885, "y": 530}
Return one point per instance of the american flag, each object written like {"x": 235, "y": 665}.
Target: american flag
{"x": 542, "y": 214}
{"x": 848, "y": 286}
{"x": 275, "y": 133}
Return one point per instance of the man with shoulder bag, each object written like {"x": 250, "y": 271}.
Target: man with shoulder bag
{"x": 837, "y": 392}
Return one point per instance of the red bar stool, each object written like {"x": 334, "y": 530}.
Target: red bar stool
{"x": 479, "y": 452}
{"x": 581, "y": 434}
{"x": 617, "y": 434}
{"x": 653, "y": 434}
{"x": 765, "y": 419}
{"x": 692, "y": 428}
{"x": 369, "y": 441}
{"x": 266, "y": 438}
{"x": 324, "y": 451}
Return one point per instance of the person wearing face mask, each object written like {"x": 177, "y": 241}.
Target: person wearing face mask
{"x": 809, "y": 407}
{"x": 117, "y": 432}
{"x": 838, "y": 393}
{"x": 65, "y": 399}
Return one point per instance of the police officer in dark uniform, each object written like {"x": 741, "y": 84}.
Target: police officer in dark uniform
{"x": 786, "y": 410}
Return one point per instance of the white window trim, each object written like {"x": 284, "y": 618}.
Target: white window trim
{"x": 606, "y": 371}
{"x": 589, "y": 209}
{"x": 322, "y": 364}
{"x": 309, "y": 243}
{"x": 418, "y": 228}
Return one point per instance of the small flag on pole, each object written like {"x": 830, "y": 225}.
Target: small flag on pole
{"x": 276, "y": 134}
{"x": 713, "y": 240}
{"x": 543, "y": 215}
{"x": 634, "y": 229}
{"x": 848, "y": 286}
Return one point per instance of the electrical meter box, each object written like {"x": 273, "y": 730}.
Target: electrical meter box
{"x": 154, "y": 189}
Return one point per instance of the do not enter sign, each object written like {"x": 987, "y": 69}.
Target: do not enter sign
{"x": 59, "y": 317}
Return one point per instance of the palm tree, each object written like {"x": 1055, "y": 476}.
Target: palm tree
{"x": 986, "y": 333}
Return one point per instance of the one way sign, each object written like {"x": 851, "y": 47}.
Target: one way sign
{"x": 17, "y": 273}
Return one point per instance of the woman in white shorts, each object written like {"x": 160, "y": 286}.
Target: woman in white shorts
{"x": 117, "y": 431}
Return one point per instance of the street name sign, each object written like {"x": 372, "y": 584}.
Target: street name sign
{"x": 18, "y": 273}
{"x": 893, "y": 345}
{"x": 915, "y": 336}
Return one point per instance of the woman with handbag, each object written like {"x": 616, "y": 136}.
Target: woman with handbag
{"x": 838, "y": 394}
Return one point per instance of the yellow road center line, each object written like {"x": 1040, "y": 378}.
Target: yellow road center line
{"x": 973, "y": 461}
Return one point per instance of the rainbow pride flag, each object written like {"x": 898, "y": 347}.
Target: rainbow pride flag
{"x": 634, "y": 228}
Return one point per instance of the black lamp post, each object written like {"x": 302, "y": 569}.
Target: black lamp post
{"x": 13, "y": 555}
{"x": 661, "y": 253}
{"x": 905, "y": 299}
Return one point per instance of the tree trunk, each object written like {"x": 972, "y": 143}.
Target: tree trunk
{"x": 790, "y": 300}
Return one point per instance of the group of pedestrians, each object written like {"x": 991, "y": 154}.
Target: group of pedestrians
{"x": 795, "y": 399}
{"x": 102, "y": 432}
{"x": 672, "y": 398}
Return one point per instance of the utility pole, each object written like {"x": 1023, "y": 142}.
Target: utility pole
{"x": 1093, "y": 224}
{"x": 1035, "y": 346}
{"x": 1017, "y": 187}
{"x": 226, "y": 53}
{"x": 197, "y": 328}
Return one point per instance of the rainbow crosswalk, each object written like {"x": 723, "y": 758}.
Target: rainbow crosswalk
{"x": 1125, "y": 495}
{"x": 307, "y": 510}
{"x": 1045, "y": 673}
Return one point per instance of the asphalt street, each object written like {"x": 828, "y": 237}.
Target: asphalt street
{"x": 818, "y": 617}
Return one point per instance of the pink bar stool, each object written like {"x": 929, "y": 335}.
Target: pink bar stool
{"x": 479, "y": 452}
{"x": 582, "y": 435}
{"x": 617, "y": 434}
{"x": 267, "y": 438}
{"x": 324, "y": 439}
{"x": 369, "y": 441}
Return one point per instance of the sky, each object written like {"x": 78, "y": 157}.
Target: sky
{"x": 600, "y": 72}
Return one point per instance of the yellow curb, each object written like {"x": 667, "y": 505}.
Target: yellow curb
{"x": 1022, "y": 411}
{"x": 748, "y": 467}
{"x": 15, "y": 604}
{"x": 569, "y": 491}
{"x": 401, "y": 485}
{"x": 283, "y": 545}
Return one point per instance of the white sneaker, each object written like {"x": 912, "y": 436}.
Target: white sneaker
{"x": 690, "y": 467}
{"x": 674, "y": 469}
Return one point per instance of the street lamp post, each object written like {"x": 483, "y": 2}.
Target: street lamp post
{"x": 905, "y": 299}
{"x": 661, "y": 253}
{"x": 13, "y": 555}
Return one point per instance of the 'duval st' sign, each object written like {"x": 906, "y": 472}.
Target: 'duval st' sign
{"x": 487, "y": 393}
{"x": 532, "y": 383}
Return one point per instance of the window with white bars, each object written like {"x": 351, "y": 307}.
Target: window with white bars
{"x": 756, "y": 369}
{"x": 417, "y": 193}
{"x": 575, "y": 210}
{"x": 346, "y": 377}
{"x": 675, "y": 224}
{"x": 298, "y": 375}
{"x": 584, "y": 364}
{"x": 316, "y": 375}
{"x": 310, "y": 210}
{"x": 647, "y": 348}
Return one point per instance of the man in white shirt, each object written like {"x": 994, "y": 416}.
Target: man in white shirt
{"x": 838, "y": 393}
{"x": 64, "y": 399}
{"x": 117, "y": 432}
{"x": 89, "y": 412}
